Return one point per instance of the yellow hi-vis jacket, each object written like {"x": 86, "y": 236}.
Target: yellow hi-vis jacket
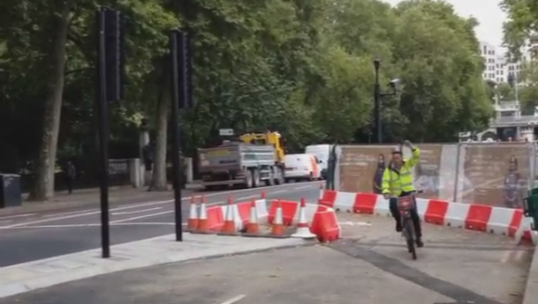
{"x": 395, "y": 182}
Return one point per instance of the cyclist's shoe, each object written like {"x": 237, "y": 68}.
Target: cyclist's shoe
{"x": 420, "y": 243}
{"x": 399, "y": 227}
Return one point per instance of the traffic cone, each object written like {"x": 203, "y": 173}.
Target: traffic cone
{"x": 252, "y": 225}
{"x": 192, "y": 223}
{"x": 203, "y": 224}
{"x": 263, "y": 195}
{"x": 229, "y": 221}
{"x": 278, "y": 222}
{"x": 303, "y": 231}
{"x": 321, "y": 191}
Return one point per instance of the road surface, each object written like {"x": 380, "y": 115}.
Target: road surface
{"x": 38, "y": 235}
{"x": 369, "y": 266}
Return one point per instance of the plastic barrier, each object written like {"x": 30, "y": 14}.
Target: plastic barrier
{"x": 497, "y": 220}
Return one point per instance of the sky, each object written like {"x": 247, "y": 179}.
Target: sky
{"x": 488, "y": 14}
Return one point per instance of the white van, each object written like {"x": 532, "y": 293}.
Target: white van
{"x": 302, "y": 167}
{"x": 322, "y": 152}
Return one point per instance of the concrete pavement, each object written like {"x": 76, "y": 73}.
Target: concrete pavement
{"x": 531, "y": 290}
{"x": 48, "y": 272}
{"x": 370, "y": 265}
{"x": 38, "y": 235}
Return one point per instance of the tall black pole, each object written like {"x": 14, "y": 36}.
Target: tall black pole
{"x": 102, "y": 108}
{"x": 377, "y": 103}
{"x": 174, "y": 37}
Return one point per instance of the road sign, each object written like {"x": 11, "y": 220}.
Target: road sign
{"x": 226, "y": 132}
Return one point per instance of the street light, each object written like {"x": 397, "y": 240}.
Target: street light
{"x": 394, "y": 84}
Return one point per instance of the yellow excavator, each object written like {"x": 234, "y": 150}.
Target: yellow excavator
{"x": 267, "y": 138}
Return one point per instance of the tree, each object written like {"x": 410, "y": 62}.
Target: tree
{"x": 505, "y": 92}
{"x": 521, "y": 29}
{"x": 301, "y": 67}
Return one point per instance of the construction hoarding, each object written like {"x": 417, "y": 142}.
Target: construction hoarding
{"x": 497, "y": 174}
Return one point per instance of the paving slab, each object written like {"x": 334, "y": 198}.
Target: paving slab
{"x": 531, "y": 290}
{"x": 462, "y": 264}
{"x": 24, "y": 277}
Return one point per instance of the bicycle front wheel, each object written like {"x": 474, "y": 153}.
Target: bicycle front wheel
{"x": 410, "y": 233}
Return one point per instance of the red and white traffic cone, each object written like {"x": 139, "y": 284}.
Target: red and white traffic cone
{"x": 192, "y": 223}
{"x": 229, "y": 221}
{"x": 203, "y": 224}
{"x": 278, "y": 223}
{"x": 263, "y": 195}
{"x": 321, "y": 188}
{"x": 303, "y": 230}
{"x": 252, "y": 225}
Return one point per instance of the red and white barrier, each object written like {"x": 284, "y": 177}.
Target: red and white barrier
{"x": 497, "y": 220}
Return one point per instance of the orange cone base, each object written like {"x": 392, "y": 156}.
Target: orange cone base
{"x": 277, "y": 230}
{"x": 228, "y": 229}
{"x": 192, "y": 224}
{"x": 202, "y": 228}
{"x": 253, "y": 228}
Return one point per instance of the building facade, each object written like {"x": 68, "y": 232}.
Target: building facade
{"x": 497, "y": 67}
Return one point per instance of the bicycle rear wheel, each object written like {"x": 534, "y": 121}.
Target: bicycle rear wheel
{"x": 410, "y": 238}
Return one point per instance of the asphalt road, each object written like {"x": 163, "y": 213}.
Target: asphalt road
{"x": 33, "y": 236}
{"x": 369, "y": 266}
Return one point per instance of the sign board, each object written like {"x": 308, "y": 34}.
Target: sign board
{"x": 226, "y": 132}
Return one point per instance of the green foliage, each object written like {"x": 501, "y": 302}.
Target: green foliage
{"x": 301, "y": 67}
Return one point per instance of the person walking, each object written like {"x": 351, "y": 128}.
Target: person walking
{"x": 70, "y": 174}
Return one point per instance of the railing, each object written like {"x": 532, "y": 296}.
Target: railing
{"x": 513, "y": 121}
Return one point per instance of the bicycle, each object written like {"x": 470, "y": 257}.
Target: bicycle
{"x": 405, "y": 205}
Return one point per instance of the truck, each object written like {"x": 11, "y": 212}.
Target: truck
{"x": 240, "y": 164}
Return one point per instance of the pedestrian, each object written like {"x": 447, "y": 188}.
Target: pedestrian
{"x": 70, "y": 176}
{"x": 378, "y": 175}
{"x": 512, "y": 181}
{"x": 149, "y": 159}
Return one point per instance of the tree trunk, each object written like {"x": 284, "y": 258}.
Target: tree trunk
{"x": 159, "y": 172}
{"x": 43, "y": 188}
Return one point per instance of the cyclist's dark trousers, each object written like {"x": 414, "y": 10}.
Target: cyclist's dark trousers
{"x": 393, "y": 206}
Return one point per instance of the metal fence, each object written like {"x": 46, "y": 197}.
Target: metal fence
{"x": 497, "y": 174}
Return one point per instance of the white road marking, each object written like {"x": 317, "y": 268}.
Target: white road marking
{"x": 142, "y": 216}
{"x": 234, "y": 300}
{"x": 81, "y": 215}
{"x": 56, "y": 226}
{"x": 99, "y": 225}
{"x": 506, "y": 256}
{"x": 520, "y": 255}
{"x": 153, "y": 203}
{"x": 136, "y": 211}
{"x": 359, "y": 224}
{"x": 157, "y": 214}
{"x": 70, "y": 213}
{"x": 246, "y": 197}
{"x": 147, "y": 224}
{"x": 303, "y": 187}
{"x": 16, "y": 216}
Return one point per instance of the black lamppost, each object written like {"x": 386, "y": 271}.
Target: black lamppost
{"x": 394, "y": 84}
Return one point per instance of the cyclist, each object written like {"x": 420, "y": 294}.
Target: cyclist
{"x": 398, "y": 182}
